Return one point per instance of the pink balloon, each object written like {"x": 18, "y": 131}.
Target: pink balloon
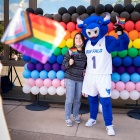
{"x": 31, "y": 82}
{"x": 63, "y": 82}
{"x": 39, "y": 82}
{"x": 113, "y": 85}
{"x": 120, "y": 86}
{"x": 56, "y": 83}
{"x": 47, "y": 82}
{"x": 138, "y": 86}
{"x": 130, "y": 86}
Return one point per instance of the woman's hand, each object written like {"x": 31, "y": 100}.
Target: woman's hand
{"x": 71, "y": 61}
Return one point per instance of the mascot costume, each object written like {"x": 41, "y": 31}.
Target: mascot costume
{"x": 97, "y": 80}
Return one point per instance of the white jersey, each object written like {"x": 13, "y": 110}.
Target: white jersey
{"x": 99, "y": 61}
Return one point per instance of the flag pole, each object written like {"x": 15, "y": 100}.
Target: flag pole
{"x": 21, "y": 3}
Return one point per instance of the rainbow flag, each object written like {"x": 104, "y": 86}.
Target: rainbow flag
{"x": 74, "y": 50}
{"x": 120, "y": 20}
{"x": 33, "y": 35}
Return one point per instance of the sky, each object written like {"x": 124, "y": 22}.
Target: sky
{"x": 49, "y": 6}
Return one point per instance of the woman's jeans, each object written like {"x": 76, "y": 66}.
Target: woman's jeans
{"x": 73, "y": 97}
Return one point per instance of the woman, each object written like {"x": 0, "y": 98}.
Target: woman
{"x": 74, "y": 63}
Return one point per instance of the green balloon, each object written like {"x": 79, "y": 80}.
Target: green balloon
{"x": 122, "y": 53}
{"x": 114, "y": 54}
{"x": 138, "y": 51}
{"x": 132, "y": 52}
{"x": 57, "y": 51}
{"x": 64, "y": 50}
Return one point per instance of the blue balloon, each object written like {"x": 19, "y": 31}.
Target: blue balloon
{"x": 25, "y": 66}
{"x": 136, "y": 61}
{"x": 43, "y": 74}
{"x": 125, "y": 77}
{"x": 52, "y": 59}
{"x": 60, "y": 75}
{"x": 26, "y": 58}
{"x": 60, "y": 59}
{"x": 35, "y": 74}
{"x": 52, "y": 74}
{"x": 115, "y": 77}
{"x": 34, "y": 61}
{"x": 117, "y": 61}
{"x": 127, "y": 61}
{"x": 135, "y": 77}
{"x": 26, "y": 74}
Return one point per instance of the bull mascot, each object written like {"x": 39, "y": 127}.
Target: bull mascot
{"x": 97, "y": 80}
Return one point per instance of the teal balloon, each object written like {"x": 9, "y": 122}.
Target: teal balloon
{"x": 64, "y": 50}
{"x": 57, "y": 51}
{"x": 132, "y": 52}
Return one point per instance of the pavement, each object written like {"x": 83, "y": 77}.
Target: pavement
{"x": 49, "y": 124}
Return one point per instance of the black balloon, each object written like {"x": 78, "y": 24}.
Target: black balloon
{"x": 99, "y": 9}
{"x": 137, "y": 7}
{"x": 38, "y": 11}
{"x": 125, "y": 15}
{"x": 135, "y": 16}
{"x": 30, "y": 10}
{"x": 57, "y": 17}
{"x": 118, "y": 8}
{"x": 129, "y": 8}
{"x": 62, "y": 10}
{"x": 72, "y": 10}
{"x": 50, "y": 16}
{"x": 113, "y": 17}
{"x": 84, "y": 16}
{"x": 108, "y": 8}
{"x": 74, "y": 17}
{"x": 90, "y": 9}
{"x": 81, "y": 9}
{"x": 66, "y": 17}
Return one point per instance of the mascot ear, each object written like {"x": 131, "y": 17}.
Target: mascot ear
{"x": 106, "y": 18}
{"x": 80, "y": 23}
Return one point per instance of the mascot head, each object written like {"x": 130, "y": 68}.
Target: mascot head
{"x": 94, "y": 27}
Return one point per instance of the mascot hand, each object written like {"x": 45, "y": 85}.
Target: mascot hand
{"x": 118, "y": 29}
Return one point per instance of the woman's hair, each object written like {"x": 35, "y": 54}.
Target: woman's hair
{"x": 83, "y": 39}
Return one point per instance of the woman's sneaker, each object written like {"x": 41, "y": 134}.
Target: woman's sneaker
{"x": 90, "y": 122}
{"x": 110, "y": 130}
{"x": 77, "y": 119}
{"x": 68, "y": 122}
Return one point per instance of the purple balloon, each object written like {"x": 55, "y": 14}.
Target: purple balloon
{"x": 121, "y": 69}
{"x": 31, "y": 66}
{"x": 47, "y": 67}
{"x": 56, "y": 67}
{"x": 138, "y": 70}
{"x": 113, "y": 69}
{"x": 131, "y": 69}
{"x": 63, "y": 68}
{"x": 39, "y": 67}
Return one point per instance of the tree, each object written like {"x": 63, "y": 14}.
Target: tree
{"x": 1, "y": 33}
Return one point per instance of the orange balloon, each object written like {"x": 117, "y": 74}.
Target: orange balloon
{"x": 67, "y": 36}
{"x": 112, "y": 33}
{"x": 133, "y": 34}
{"x": 139, "y": 34}
{"x": 73, "y": 33}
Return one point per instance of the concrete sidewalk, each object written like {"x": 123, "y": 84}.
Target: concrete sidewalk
{"x": 49, "y": 124}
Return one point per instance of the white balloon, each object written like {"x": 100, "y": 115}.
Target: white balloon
{"x": 60, "y": 91}
{"x": 52, "y": 90}
{"x": 26, "y": 89}
{"x": 35, "y": 90}
{"x": 124, "y": 94}
{"x": 43, "y": 90}
{"x": 100, "y": 108}
{"x": 115, "y": 94}
{"x": 134, "y": 95}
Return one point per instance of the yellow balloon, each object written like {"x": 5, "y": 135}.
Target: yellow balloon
{"x": 130, "y": 44}
{"x": 136, "y": 43}
{"x": 62, "y": 44}
{"x": 69, "y": 43}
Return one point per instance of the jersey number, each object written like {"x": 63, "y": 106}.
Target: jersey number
{"x": 94, "y": 61}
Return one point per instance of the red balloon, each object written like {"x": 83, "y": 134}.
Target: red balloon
{"x": 137, "y": 25}
{"x": 129, "y": 26}
{"x": 78, "y": 29}
{"x": 71, "y": 26}
{"x": 63, "y": 24}
{"x": 110, "y": 26}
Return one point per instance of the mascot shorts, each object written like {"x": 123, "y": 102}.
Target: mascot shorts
{"x": 95, "y": 84}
